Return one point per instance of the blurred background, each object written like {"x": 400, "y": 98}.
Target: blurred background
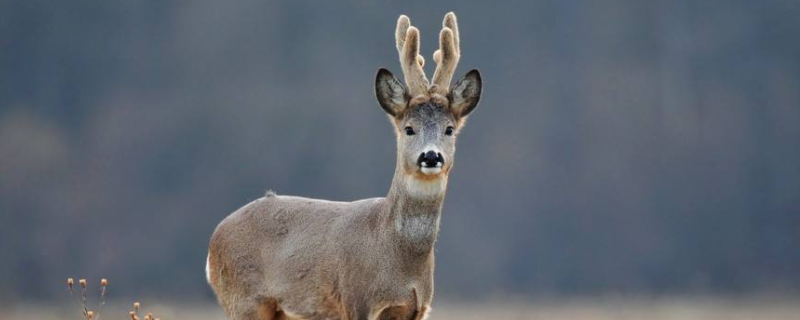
{"x": 621, "y": 148}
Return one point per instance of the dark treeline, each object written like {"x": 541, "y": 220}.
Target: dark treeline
{"x": 620, "y": 146}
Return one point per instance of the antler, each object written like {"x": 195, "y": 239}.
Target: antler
{"x": 407, "y": 38}
{"x": 448, "y": 54}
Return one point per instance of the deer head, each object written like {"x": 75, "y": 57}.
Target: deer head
{"x": 427, "y": 116}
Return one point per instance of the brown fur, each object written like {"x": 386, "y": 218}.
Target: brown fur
{"x": 317, "y": 259}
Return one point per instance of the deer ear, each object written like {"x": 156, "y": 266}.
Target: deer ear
{"x": 465, "y": 94}
{"x": 392, "y": 94}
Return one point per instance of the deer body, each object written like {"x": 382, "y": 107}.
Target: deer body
{"x": 284, "y": 257}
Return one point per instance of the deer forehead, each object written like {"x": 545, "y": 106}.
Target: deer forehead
{"x": 428, "y": 113}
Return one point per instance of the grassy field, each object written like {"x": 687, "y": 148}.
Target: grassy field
{"x": 684, "y": 308}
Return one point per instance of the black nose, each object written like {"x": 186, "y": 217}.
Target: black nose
{"x": 430, "y": 159}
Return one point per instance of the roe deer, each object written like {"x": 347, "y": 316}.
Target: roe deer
{"x": 284, "y": 257}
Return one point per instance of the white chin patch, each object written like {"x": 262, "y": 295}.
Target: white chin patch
{"x": 425, "y": 188}
{"x": 433, "y": 170}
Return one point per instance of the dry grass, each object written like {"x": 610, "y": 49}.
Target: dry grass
{"x": 96, "y": 313}
{"x": 683, "y": 308}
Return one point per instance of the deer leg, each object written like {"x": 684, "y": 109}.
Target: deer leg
{"x": 257, "y": 309}
{"x": 402, "y": 313}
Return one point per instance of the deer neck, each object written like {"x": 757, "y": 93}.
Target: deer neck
{"x": 413, "y": 210}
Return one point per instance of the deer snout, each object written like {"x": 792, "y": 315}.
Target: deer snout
{"x": 430, "y": 159}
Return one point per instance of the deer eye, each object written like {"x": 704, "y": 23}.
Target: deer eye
{"x": 409, "y": 131}
{"x": 449, "y": 131}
